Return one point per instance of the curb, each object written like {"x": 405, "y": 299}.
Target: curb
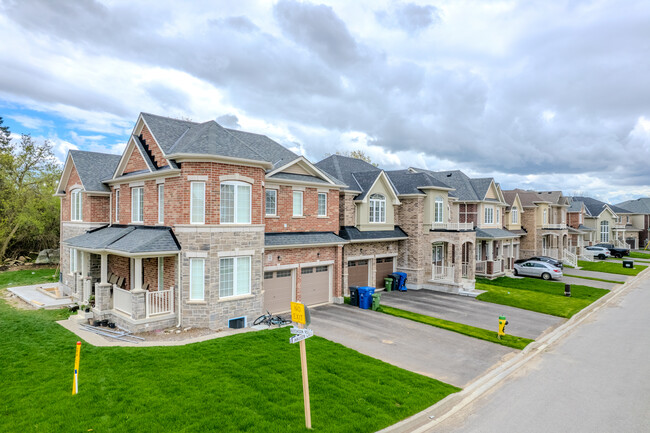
{"x": 445, "y": 408}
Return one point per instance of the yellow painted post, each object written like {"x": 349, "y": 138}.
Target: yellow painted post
{"x": 299, "y": 315}
{"x": 75, "y": 380}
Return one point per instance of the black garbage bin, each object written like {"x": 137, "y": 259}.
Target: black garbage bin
{"x": 354, "y": 296}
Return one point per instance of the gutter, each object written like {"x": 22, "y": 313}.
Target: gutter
{"x": 180, "y": 285}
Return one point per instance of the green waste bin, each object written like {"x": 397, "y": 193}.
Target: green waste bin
{"x": 375, "y": 301}
{"x": 388, "y": 284}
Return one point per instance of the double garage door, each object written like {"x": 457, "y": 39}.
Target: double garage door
{"x": 358, "y": 272}
{"x": 278, "y": 288}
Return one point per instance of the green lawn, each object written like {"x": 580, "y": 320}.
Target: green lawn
{"x": 471, "y": 331}
{"x": 26, "y": 277}
{"x": 610, "y": 267}
{"x": 636, "y": 255}
{"x": 246, "y": 382}
{"x": 538, "y": 295}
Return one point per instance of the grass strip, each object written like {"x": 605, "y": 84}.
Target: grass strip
{"x": 610, "y": 268}
{"x": 244, "y": 382}
{"x": 27, "y": 277}
{"x": 547, "y": 287}
{"x": 636, "y": 255}
{"x": 471, "y": 331}
{"x": 593, "y": 279}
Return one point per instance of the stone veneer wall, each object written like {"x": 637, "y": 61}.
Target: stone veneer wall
{"x": 214, "y": 242}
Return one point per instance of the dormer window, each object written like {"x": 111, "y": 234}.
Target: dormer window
{"x": 489, "y": 215}
{"x": 514, "y": 214}
{"x": 438, "y": 207}
{"x": 76, "y": 205}
{"x": 377, "y": 208}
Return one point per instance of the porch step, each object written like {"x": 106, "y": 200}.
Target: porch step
{"x": 472, "y": 293}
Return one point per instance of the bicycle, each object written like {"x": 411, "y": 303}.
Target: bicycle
{"x": 269, "y": 319}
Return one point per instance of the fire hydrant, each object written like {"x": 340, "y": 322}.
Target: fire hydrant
{"x": 502, "y": 326}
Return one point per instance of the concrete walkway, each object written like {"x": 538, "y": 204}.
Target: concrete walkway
{"x": 596, "y": 274}
{"x": 444, "y": 355}
{"x": 591, "y": 283}
{"x": 469, "y": 311}
{"x": 38, "y": 299}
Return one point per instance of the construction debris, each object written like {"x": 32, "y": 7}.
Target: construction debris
{"x": 118, "y": 335}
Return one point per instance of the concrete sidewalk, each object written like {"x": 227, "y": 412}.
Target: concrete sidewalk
{"x": 596, "y": 274}
{"x": 469, "y": 311}
{"x": 591, "y": 283}
{"x": 38, "y": 299}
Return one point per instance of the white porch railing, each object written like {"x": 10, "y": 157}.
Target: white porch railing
{"x": 550, "y": 252}
{"x": 497, "y": 266}
{"x": 554, "y": 226}
{"x": 160, "y": 302}
{"x": 619, "y": 226}
{"x": 586, "y": 258}
{"x": 620, "y": 244}
{"x": 442, "y": 273}
{"x": 570, "y": 258}
{"x": 481, "y": 267}
{"x": 453, "y": 226}
{"x": 465, "y": 270}
{"x": 573, "y": 250}
{"x": 122, "y": 300}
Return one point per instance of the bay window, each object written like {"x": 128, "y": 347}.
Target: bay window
{"x": 235, "y": 203}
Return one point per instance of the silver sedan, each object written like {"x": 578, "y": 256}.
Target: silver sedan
{"x": 533, "y": 268}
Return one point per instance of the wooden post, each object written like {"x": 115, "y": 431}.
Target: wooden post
{"x": 305, "y": 379}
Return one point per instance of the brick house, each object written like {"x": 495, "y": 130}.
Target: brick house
{"x": 543, "y": 216}
{"x": 606, "y": 222}
{"x": 197, "y": 225}
{"x": 639, "y": 218}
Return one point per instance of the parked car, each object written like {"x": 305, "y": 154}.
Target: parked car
{"x": 615, "y": 251}
{"x": 598, "y": 252}
{"x": 551, "y": 260}
{"x": 536, "y": 268}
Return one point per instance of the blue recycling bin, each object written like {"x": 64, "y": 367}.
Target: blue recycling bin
{"x": 365, "y": 297}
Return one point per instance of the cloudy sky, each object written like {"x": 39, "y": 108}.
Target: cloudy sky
{"x": 539, "y": 94}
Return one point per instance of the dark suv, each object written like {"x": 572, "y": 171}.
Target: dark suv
{"x": 614, "y": 251}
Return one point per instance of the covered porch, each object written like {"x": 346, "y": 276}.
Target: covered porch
{"x": 131, "y": 274}
{"x": 496, "y": 252}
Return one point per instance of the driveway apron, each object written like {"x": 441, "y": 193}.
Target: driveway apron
{"x": 447, "y": 356}
{"x": 469, "y": 311}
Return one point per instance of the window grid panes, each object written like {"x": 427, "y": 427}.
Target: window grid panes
{"x": 234, "y": 276}
{"x": 235, "y": 202}
{"x": 515, "y": 216}
{"x": 137, "y": 204}
{"x": 604, "y": 231}
{"x": 161, "y": 203}
{"x": 297, "y": 203}
{"x": 76, "y": 205}
{"x": 489, "y": 215}
{"x": 197, "y": 205}
{"x": 197, "y": 279}
{"x": 117, "y": 205}
{"x": 322, "y": 204}
{"x": 271, "y": 202}
{"x": 438, "y": 210}
{"x": 377, "y": 208}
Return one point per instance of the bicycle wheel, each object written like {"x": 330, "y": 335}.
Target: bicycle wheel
{"x": 260, "y": 320}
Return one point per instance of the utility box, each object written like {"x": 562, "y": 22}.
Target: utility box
{"x": 628, "y": 264}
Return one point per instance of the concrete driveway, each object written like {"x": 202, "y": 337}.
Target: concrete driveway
{"x": 447, "y": 356}
{"x": 462, "y": 309}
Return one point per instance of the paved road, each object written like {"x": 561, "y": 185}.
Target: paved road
{"x": 597, "y": 379}
{"x": 462, "y": 309}
{"x": 447, "y": 356}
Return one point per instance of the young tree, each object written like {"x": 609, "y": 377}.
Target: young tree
{"x": 28, "y": 175}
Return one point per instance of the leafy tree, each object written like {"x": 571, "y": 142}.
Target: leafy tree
{"x": 29, "y": 214}
{"x": 358, "y": 154}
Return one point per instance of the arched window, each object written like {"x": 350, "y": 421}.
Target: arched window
{"x": 604, "y": 231}
{"x": 438, "y": 210}
{"x": 235, "y": 203}
{"x": 377, "y": 208}
{"x": 75, "y": 205}
{"x": 514, "y": 215}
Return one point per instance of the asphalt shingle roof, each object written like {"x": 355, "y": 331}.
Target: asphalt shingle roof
{"x": 465, "y": 188}
{"x": 301, "y": 238}
{"x": 495, "y": 234}
{"x": 354, "y": 234}
{"x": 127, "y": 239}
{"x": 299, "y": 177}
{"x": 640, "y": 205}
{"x": 94, "y": 167}
{"x": 595, "y": 207}
{"x": 408, "y": 182}
{"x": 342, "y": 167}
{"x": 365, "y": 180}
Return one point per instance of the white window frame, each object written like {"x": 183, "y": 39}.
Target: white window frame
{"x": 497, "y": 212}
{"x": 76, "y": 205}
{"x": 117, "y": 205}
{"x": 161, "y": 203}
{"x": 274, "y": 193}
{"x": 580, "y": 220}
{"x": 193, "y": 277}
{"x": 545, "y": 217}
{"x": 514, "y": 215}
{"x": 139, "y": 206}
{"x": 604, "y": 231}
{"x": 235, "y": 279}
{"x": 235, "y": 211}
{"x": 324, "y": 213}
{"x": 161, "y": 273}
{"x": 74, "y": 266}
{"x": 298, "y": 195}
{"x": 488, "y": 215}
{"x": 200, "y": 219}
{"x": 377, "y": 209}
{"x": 439, "y": 210}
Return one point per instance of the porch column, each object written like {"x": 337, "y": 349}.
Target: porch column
{"x": 85, "y": 261}
{"x": 489, "y": 251}
{"x": 104, "y": 269}
{"x": 458, "y": 263}
{"x": 137, "y": 275}
{"x": 471, "y": 261}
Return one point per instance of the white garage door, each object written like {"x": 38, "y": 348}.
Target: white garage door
{"x": 278, "y": 291}
{"x": 315, "y": 285}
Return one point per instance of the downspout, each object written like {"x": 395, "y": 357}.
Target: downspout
{"x": 180, "y": 285}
